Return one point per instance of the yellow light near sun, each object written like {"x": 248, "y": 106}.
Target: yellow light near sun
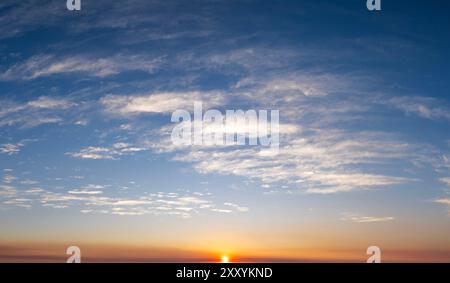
{"x": 225, "y": 259}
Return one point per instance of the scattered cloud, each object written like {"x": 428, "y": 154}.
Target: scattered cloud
{"x": 425, "y": 107}
{"x": 445, "y": 181}
{"x": 88, "y": 190}
{"x": 82, "y": 122}
{"x": 93, "y": 153}
{"x": 114, "y": 152}
{"x": 91, "y": 199}
{"x": 313, "y": 157}
{"x": 46, "y": 102}
{"x": 25, "y": 15}
{"x": 85, "y": 192}
{"x": 8, "y": 178}
{"x": 323, "y": 162}
{"x": 365, "y": 219}
{"x": 47, "y": 65}
{"x": 43, "y": 110}
{"x": 160, "y": 102}
{"x": 445, "y": 201}
{"x": 29, "y": 182}
{"x": 320, "y": 156}
{"x": 236, "y": 207}
{"x": 10, "y": 149}
{"x": 7, "y": 191}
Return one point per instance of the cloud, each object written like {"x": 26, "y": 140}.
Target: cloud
{"x": 244, "y": 127}
{"x": 7, "y": 191}
{"x": 43, "y": 110}
{"x": 425, "y": 107}
{"x": 365, "y": 219}
{"x": 93, "y": 153}
{"x": 445, "y": 201}
{"x": 344, "y": 182}
{"x": 91, "y": 199}
{"x": 321, "y": 162}
{"x": 47, "y": 65}
{"x": 34, "y": 191}
{"x": 318, "y": 152}
{"x": 293, "y": 87}
{"x": 445, "y": 181}
{"x": 8, "y": 178}
{"x": 10, "y": 149}
{"x": 316, "y": 156}
{"x": 23, "y": 16}
{"x": 82, "y": 122}
{"x": 113, "y": 152}
{"x": 29, "y": 182}
{"x": 137, "y": 22}
{"x": 46, "y": 102}
{"x": 95, "y": 187}
{"x": 221, "y": 210}
{"x": 85, "y": 192}
{"x": 237, "y": 207}
{"x": 166, "y": 102}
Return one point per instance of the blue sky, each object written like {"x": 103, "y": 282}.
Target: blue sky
{"x": 86, "y": 99}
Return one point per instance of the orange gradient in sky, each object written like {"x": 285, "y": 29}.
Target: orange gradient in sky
{"x": 41, "y": 252}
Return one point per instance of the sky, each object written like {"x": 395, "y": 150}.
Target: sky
{"x": 86, "y": 159}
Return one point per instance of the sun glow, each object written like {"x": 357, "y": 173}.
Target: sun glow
{"x": 225, "y": 259}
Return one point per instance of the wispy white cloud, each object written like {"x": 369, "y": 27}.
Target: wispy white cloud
{"x": 34, "y": 191}
{"x": 29, "y": 182}
{"x": 250, "y": 58}
{"x": 10, "y": 149}
{"x": 135, "y": 23}
{"x": 43, "y": 110}
{"x": 444, "y": 201}
{"x": 292, "y": 87}
{"x": 319, "y": 155}
{"x": 25, "y": 15}
{"x": 47, "y": 102}
{"x": 8, "y": 178}
{"x": 160, "y": 102}
{"x": 85, "y": 192}
{"x": 47, "y": 65}
{"x": 19, "y": 202}
{"x": 113, "y": 152}
{"x": 353, "y": 217}
{"x": 319, "y": 163}
{"x": 345, "y": 182}
{"x": 237, "y": 207}
{"x": 7, "y": 191}
{"x": 93, "y": 153}
{"x": 90, "y": 189}
{"x": 445, "y": 181}
{"x": 425, "y": 107}
{"x": 91, "y": 199}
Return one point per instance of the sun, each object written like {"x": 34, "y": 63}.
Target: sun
{"x": 225, "y": 259}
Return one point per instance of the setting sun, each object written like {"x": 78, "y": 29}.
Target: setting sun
{"x": 225, "y": 259}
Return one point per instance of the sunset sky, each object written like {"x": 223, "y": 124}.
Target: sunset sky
{"x": 86, "y": 99}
